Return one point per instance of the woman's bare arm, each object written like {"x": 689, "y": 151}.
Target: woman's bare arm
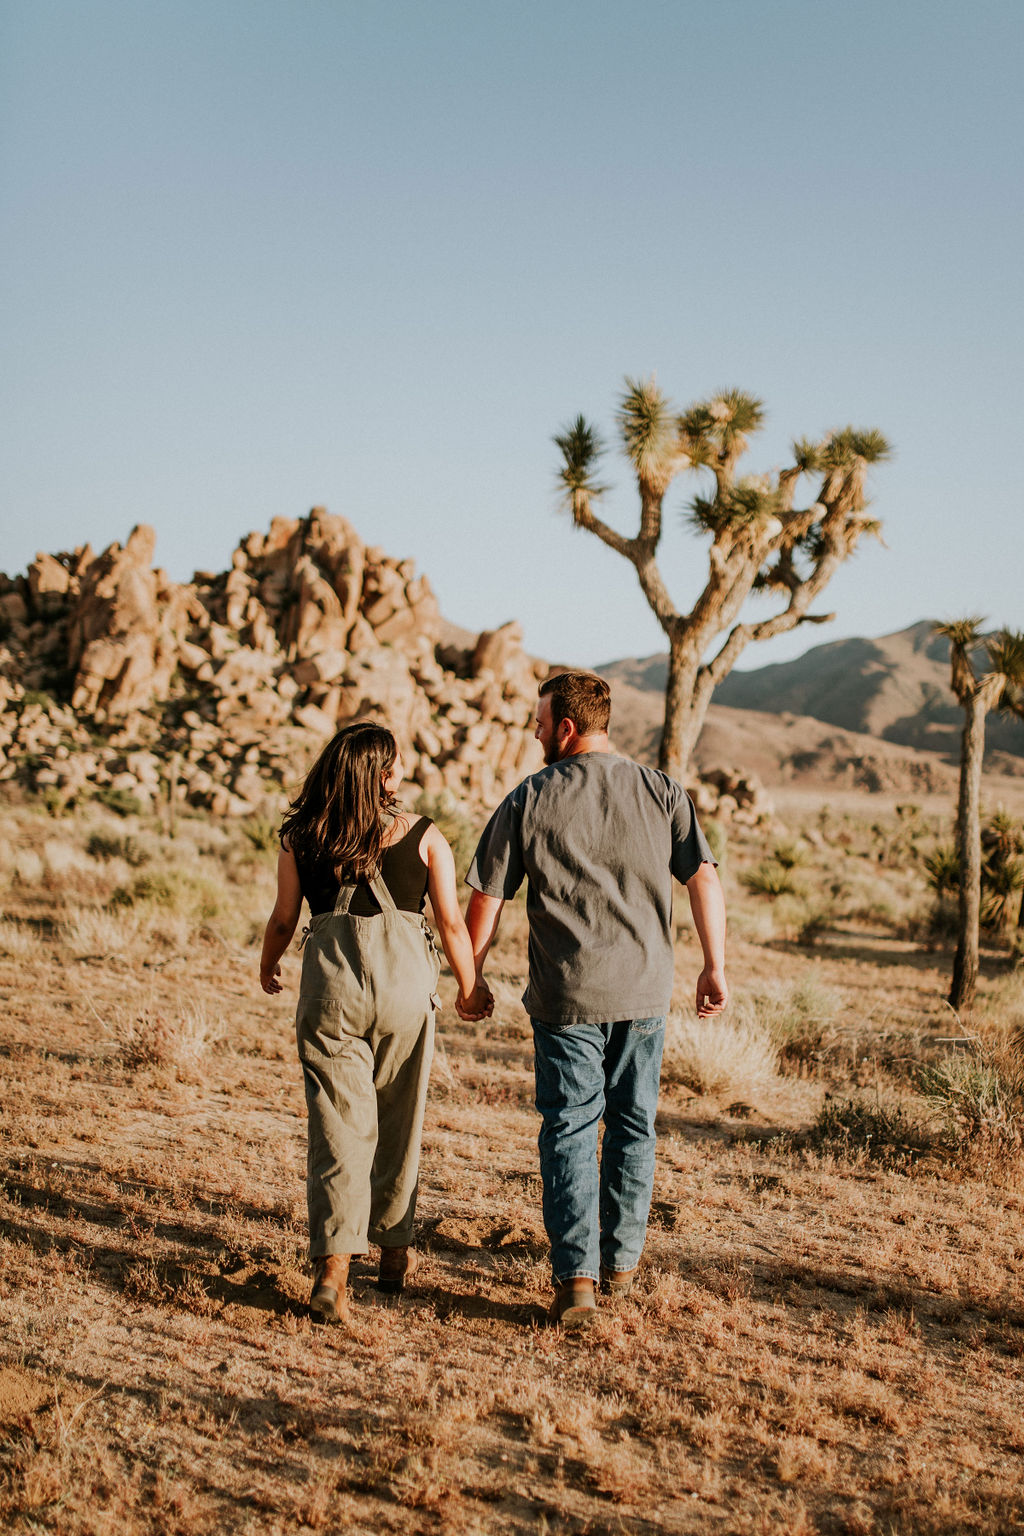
{"x": 282, "y": 922}
{"x": 474, "y": 1002}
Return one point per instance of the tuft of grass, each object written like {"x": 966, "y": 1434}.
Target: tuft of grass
{"x": 729, "y": 1054}
{"x": 173, "y": 890}
{"x": 117, "y": 845}
{"x": 979, "y": 1096}
{"x": 262, "y": 832}
{"x": 789, "y": 854}
{"x": 179, "y": 1042}
{"x": 89, "y": 933}
{"x": 121, "y": 801}
{"x": 858, "y": 1127}
{"x": 770, "y": 878}
{"x": 19, "y": 941}
{"x": 800, "y": 1017}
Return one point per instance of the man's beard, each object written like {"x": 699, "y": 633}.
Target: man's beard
{"x": 552, "y": 753}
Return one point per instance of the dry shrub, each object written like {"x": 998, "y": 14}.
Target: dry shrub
{"x": 180, "y": 891}
{"x": 88, "y": 934}
{"x": 19, "y": 941}
{"x": 179, "y": 1041}
{"x": 979, "y": 1097}
{"x": 881, "y": 1131}
{"x": 800, "y": 1017}
{"x": 106, "y": 845}
{"x": 771, "y": 878}
{"x": 727, "y": 1055}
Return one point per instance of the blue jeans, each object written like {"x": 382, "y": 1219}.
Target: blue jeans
{"x": 586, "y": 1073}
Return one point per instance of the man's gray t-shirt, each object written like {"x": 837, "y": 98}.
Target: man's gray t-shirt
{"x": 598, "y": 839}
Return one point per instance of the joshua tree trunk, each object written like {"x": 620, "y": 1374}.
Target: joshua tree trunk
{"x": 683, "y": 717}
{"x": 965, "y": 963}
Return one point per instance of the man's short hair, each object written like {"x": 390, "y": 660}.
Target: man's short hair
{"x": 582, "y": 697}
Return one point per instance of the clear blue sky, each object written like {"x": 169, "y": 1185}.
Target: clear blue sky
{"x": 259, "y": 256}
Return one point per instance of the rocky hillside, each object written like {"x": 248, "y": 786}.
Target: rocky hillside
{"x": 773, "y": 750}
{"x": 895, "y": 688}
{"x": 116, "y": 681}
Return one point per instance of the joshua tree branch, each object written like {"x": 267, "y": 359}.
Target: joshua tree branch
{"x": 584, "y": 518}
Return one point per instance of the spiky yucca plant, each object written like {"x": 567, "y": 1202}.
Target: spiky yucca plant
{"x": 760, "y": 541}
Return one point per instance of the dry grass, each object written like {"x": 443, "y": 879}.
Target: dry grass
{"x": 822, "y": 1338}
{"x": 730, "y": 1055}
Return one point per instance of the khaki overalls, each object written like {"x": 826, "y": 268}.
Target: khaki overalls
{"x": 365, "y": 1033}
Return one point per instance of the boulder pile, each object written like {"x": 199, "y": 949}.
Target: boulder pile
{"x": 115, "y": 680}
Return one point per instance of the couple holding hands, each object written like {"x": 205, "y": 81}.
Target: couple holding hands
{"x": 599, "y": 840}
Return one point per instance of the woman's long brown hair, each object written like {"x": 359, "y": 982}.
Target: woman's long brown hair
{"x": 343, "y": 810}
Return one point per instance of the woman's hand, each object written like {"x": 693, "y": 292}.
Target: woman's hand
{"x": 283, "y": 921}
{"x": 269, "y": 981}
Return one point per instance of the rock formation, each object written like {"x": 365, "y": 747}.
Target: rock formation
{"x": 114, "y": 678}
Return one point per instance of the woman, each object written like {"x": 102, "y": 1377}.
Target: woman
{"x": 365, "y": 1017}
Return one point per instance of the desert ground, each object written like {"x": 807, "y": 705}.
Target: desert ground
{"x": 828, "y": 1330}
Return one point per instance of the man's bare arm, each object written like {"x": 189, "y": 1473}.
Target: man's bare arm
{"x": 707, "y": 903}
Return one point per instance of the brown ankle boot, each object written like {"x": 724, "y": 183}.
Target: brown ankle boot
{"x": 329, "y": 1301}
{"x": 617, "y": 1282}
{"x": 575, "y": 1305}
{"x": 397, "y": 1265}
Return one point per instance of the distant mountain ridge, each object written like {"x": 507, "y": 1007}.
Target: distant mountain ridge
{"x": 895, "y": 687}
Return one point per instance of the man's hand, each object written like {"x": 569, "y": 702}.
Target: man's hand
{"x": 478, "y": 1005}
{"x": 269, "y": 981}
{"x": 712, "y": 992}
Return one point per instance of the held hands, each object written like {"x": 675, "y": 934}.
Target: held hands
{"x": 712, "y": 992}
{"x": 478, "y": 1005}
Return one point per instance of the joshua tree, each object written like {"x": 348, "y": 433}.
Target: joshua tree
{"x": 759, "y": 540}
{"x": 1001, "y": 686}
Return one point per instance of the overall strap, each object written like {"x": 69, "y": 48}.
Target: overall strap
{"x": 377, "y": 886}
{"x": 383, "y": 895}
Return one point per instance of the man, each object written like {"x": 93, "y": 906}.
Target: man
{"x": 598, "y": 839}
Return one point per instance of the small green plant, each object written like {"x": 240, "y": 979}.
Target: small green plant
{"x": 261, "y": 832}
{"x": 942, "y": 869}
{"x": 116, "y": 845}
{"x": 789, "y": 854}
{"x": 174, "y": 890}
{"x": 121, "y": 801}
{"x": 770, "y": 878}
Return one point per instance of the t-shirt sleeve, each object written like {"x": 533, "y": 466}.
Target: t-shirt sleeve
{"x": 497, "y": 868}
{"x": 689, "y": 845}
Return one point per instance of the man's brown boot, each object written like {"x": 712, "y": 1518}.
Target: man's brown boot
{"x": 329, "y": 1301}
{"x": 575, "y": 1305}
{"x": 397, "y": 1265}
{"x": 617, "y": 1282}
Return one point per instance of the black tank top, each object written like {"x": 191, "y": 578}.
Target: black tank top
{"x": 403, "y": 871}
